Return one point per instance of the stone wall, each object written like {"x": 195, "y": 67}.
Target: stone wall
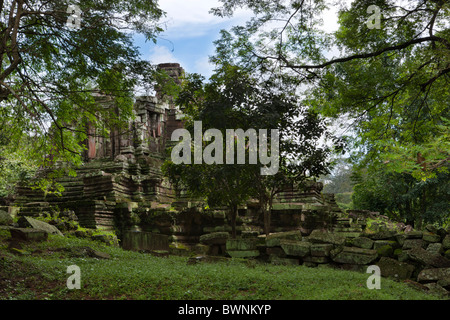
{"x": 421, "y": 257}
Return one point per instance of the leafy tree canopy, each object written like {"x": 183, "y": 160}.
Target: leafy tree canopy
{"x": 50, "y": 72}
{"x": 390, "y": 82}
{"x": 234, "y": 99}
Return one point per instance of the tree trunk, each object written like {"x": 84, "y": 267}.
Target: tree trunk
{"x": 233, "y": 220}
{"x": 266, "y": 220}
{"x": 422, "y": 210}
{"x": 267, "y": 210}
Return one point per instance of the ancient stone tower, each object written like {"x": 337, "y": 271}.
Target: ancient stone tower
{"x": 121, "y": 170}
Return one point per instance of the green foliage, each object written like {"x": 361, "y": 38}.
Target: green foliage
{"x": 15, "y": 164}
{"x": 234, "y": 99}
{"x": 389, "y": 84}
{"x": 51, "y": 75}
{"x": 404, "y": 198}
{"x": 65, "y": 221}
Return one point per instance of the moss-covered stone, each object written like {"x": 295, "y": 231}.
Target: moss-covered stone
{"x": 433, "y": 274}
{"x": 431, "y": 237}
{"x": 446, "y": 242}
{"x": 287, "y": 206}
{"x": 414, "y": 234}
{"x": 214, "y": 238}
{"x": 394, "y": 269}
{"x": 385, "y": 251}
{"x": 400, "y": 238}
{"x": 241, "y": 244}
{"x": 401, "y": 255}
{"x": 363, "y": 242}
{"x": 382, "y": 235}
{"x": 321, "y": 250}
{"x": 296, "y": 248}
{"x": 381, "y": 243}
{"x": 353, "y": 255}
{"x": 319, "y": 236}
{"x": 435, "y": 248}
{"x": 412, "y": 243}
{"x": 429, "y": 259}
{"x": 39, "y": 225}
{"x": 274, "y": 239}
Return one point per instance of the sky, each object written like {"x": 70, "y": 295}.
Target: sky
{"x": 189, "y": 36}
{"x": 190, "y": 31}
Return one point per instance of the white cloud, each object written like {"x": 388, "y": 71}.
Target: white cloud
{"x": 160, "y": 54}
{"x": 191, "y": 18}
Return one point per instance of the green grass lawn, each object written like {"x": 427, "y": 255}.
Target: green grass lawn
{"x": 40, "y": 272}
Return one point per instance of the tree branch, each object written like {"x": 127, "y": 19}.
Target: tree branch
{"x": 370, "y": 54}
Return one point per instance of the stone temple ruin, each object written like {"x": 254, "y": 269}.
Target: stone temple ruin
{"x": 121, "y": 186}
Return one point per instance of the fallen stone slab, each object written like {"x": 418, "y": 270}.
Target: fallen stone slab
{"x": 363, "y": 242}
{"x": 433, "y": 274}
{"x": 40, "y": 225}
{"x": 391, "y": 268}
{"x": 382, "y": 235}
{"x": 435, "y": 248}
{"x": 320, "y": 236}
{"x": 381, "y": 243}
{"x": 321, "y": 249}
{"x": 431, "y": 237}
{"x": 28, "y": 234}
{"x": 295, "y": 248}
{"x": 413, "y": 243}
{"x": 353, "y": 255}
{"x": 241, "y": 244}
{"x": 215, "y": 238}
{"x": 274, "y": 239}
{"x": 414, "y": 234}
{"x": 427, "y": 258}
